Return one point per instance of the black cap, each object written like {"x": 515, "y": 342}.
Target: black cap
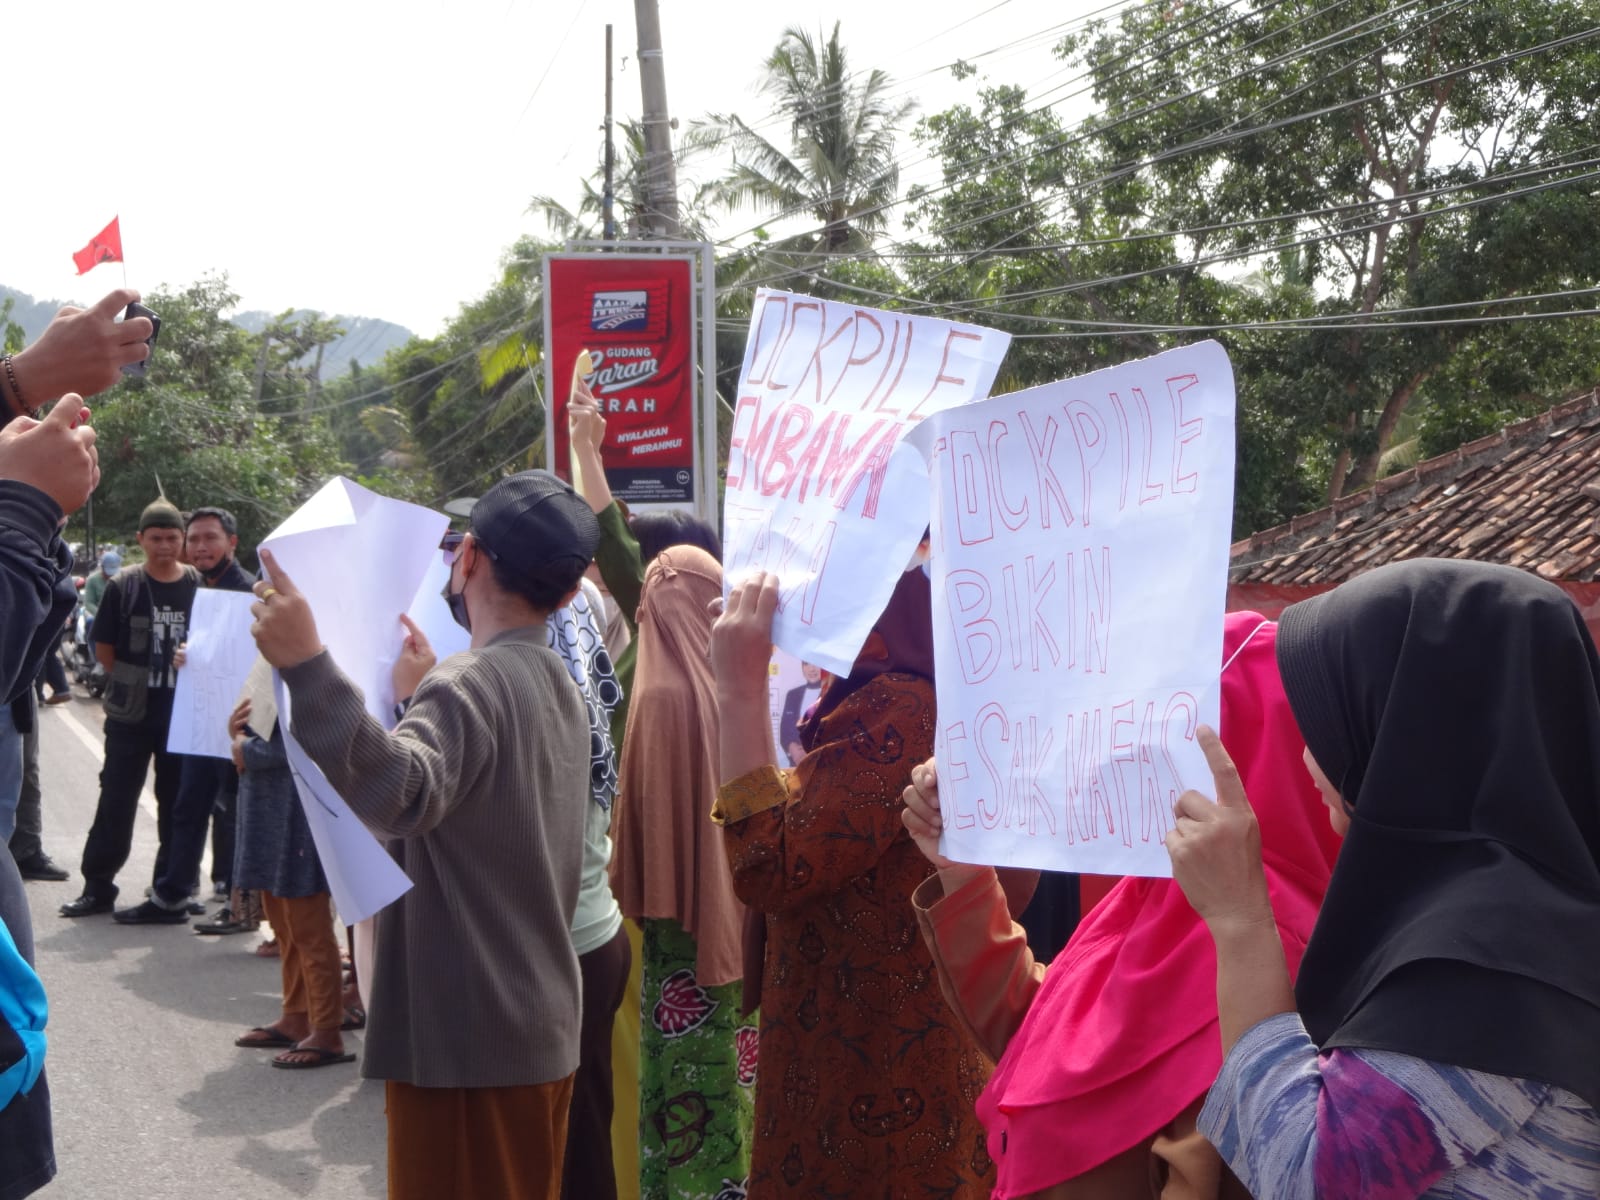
{"x": 532, "y": 522}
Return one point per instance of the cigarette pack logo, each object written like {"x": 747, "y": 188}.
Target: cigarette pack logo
{"x": 620, "y": 312}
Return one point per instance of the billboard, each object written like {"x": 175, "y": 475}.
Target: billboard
{"x": 635, "y": 317}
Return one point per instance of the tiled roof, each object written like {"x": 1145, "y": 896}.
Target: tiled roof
{"x": 1528, "y": 496}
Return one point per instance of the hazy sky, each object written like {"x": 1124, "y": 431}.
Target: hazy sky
{"x": 376, "y": 159}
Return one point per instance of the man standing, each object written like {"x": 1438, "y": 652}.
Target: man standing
{"x": 212, "y": 538}
{"x": 482, "y": 790}
{"x": 94, "y": 587}
{"x": 143, "y": 619}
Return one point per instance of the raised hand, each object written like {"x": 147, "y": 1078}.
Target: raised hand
{"x": 416, "y": 660}
{"x": 741, "y": 639}
{"x": 82, "y": 350}
{"x": 921, "y": 816}
{"x": 285, "y": 631}
{"x": 1216, "y": 847}
{"x": 55, "y": 455}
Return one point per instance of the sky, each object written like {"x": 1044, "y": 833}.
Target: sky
{"x": 377, "y": 159}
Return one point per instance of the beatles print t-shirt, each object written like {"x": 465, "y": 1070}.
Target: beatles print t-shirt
{"x": 170, "y": 604}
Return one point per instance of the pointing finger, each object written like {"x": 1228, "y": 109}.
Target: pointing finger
{"x": 1230, "y": 788}
{"x": 280, "y": 578}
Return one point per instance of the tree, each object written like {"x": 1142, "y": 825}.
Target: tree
{"x": 1315, "y": 185}
{"x": 840, "y": 167}
{"x": 1397, "y": 143}
{"x": 190, "y": 427}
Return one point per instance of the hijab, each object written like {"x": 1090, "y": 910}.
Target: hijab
{"x": 901, "y": 642}
{"x": 1456, "y": 706}
{"x": 1122, "y": 1035}
{"x": 669, "y": 861}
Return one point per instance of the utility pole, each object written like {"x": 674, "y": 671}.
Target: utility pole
{"x": 608, "y": 221}
{"x": 660, "y": 172}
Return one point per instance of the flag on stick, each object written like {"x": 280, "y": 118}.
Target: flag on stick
{"x": 105, "y": 246}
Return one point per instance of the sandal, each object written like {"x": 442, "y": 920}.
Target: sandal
{"x": 272, "y": 1038}
{"x": 320, "y": 1058}
{"x": 355, "y": 1017}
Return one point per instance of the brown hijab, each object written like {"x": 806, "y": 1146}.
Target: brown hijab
{"x": 669, "y": 861}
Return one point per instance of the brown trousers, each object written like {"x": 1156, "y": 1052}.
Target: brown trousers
{"x": 313, "y": 979}
{"x": 1177, "y": 1164}
{"x": 492, "y": 1143}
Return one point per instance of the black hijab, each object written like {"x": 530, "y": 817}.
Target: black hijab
{"x": 1457, "y": 708}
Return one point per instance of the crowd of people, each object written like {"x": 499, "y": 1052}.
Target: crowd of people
{"x": 633, "y": 888}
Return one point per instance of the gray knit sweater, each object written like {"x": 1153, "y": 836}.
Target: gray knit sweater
{"x": 482, "y": 791}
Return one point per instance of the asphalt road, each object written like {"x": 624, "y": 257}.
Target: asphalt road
{"x": 150, "y": 1096}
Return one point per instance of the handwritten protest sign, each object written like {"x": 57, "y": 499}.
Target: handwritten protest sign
{"x": 218, "y": 656}
{"x": 1080, "y": 559}
{"x": 820, "y": 490}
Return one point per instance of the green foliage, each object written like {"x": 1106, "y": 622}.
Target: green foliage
{"x": 191, "y": 427}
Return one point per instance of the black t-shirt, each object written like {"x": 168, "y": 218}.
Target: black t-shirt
{"x": 170, "y": 604}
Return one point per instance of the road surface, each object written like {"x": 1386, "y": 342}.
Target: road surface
{"x": 150, "y": 1096}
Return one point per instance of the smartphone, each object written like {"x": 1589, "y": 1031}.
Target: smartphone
{"x": 138, "y": 310}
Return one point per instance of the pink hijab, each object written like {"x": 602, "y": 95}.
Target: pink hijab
{"x": 1122, "y": 1035}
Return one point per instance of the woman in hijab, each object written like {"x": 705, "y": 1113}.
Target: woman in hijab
{"x": 1447, "y": 1039}
{"x": 1104, "y": 1060}
{"x": 697, "y": 1064}
{"x": 867, "y": 1082}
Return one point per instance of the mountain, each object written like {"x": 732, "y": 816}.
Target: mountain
{"x": 366, "y": 339}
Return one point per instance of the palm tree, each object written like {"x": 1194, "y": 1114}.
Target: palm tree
{"x": 840, "y": 167}
{"x": 584, "y": 222}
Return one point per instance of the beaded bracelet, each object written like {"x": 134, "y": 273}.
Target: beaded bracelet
{"x": 16, "y": 392}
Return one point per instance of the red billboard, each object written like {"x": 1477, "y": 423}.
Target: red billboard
{"x": 635, "y": 317}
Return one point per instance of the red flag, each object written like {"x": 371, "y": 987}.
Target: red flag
{"x": 105, "y": 246}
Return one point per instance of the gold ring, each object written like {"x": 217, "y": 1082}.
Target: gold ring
{"x": 268, "y": 593}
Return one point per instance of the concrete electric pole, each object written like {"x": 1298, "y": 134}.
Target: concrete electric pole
{"x": 660, "y": 218}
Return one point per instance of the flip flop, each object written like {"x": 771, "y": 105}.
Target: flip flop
{"x": 275, "y": 1039}
{"x": 324, "y": 1058}
{"x": 355, "y": 1017}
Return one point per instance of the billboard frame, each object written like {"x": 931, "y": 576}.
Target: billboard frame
{"x": 703, "y": 393}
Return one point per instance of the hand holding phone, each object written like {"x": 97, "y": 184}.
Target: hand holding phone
{"x": 138, "y": 310}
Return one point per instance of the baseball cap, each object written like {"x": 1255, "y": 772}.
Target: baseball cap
{"x": 110, "y": 562}
{"x": 532, "y": 522}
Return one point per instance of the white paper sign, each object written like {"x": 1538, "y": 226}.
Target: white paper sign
{"x": 1080, "y": 563}
{"x": 217, "y": 661}
{"x": 360, "y": 559}
{"x": 819, "y": 489}
{"x": 361, "y": 875}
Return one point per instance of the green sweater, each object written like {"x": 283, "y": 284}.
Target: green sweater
{"x": 623, "y": 572}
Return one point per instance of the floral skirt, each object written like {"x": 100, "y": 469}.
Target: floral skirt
{"x": 697, "y": 1074}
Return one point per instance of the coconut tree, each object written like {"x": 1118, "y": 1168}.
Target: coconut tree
{"x": 840, "y": 167}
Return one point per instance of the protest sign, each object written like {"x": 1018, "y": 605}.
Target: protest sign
{"x": 819, "y": 490}
{"x": 1080, "y": 556}
{"x": 360, "y": 559}
{"x": 217, "y": 660}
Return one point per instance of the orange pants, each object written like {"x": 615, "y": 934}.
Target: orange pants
{"x": 504, "y": 1143}
{"x": 313, "y": 980}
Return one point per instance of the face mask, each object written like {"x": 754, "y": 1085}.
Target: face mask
{"x": 456, "y": 602}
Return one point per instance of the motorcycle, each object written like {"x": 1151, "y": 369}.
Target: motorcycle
{"x": 77, "y": 650}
